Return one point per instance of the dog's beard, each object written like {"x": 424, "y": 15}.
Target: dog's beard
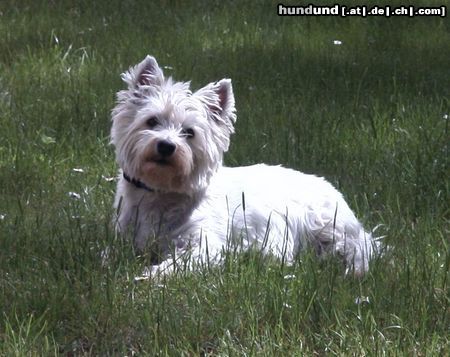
{"x": 167, "y": 173}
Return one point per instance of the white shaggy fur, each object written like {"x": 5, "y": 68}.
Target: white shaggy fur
{"x": 177, "y": 197}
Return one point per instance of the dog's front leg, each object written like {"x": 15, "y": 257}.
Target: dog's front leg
{"x": 190, "y": 257}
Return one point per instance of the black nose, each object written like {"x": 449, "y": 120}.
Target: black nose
{"x": 165, "y": 148}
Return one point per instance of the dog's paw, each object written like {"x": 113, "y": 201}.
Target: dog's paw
{"x": 156, "y": 271}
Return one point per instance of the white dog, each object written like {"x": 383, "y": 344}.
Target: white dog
{"x": 175, "y": 197}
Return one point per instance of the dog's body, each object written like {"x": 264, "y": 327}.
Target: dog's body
{"x": 174, "y": 192}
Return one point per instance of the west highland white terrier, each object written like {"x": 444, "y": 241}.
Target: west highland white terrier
{"x": 174, "y": 196}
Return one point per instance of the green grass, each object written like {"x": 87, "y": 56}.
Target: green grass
{"x": 371, "y": 115}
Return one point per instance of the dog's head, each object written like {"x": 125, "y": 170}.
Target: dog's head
{"x": 165, "y": 135}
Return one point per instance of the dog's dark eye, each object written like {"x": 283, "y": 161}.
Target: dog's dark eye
{"x": 152, "y": 122}
{"x": 189, "y": 132}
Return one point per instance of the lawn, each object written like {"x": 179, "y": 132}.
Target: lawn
{"x": 361, "y": 101}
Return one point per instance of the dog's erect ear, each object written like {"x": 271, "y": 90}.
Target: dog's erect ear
{"x": 219, "y": 100}
{"x": 145, "y": 73}
{"x": 224, "y": 91}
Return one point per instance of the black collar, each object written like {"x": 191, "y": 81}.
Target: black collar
{"x": 137, "y": 183}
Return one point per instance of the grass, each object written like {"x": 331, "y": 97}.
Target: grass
{"x": 371, "y": 115}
